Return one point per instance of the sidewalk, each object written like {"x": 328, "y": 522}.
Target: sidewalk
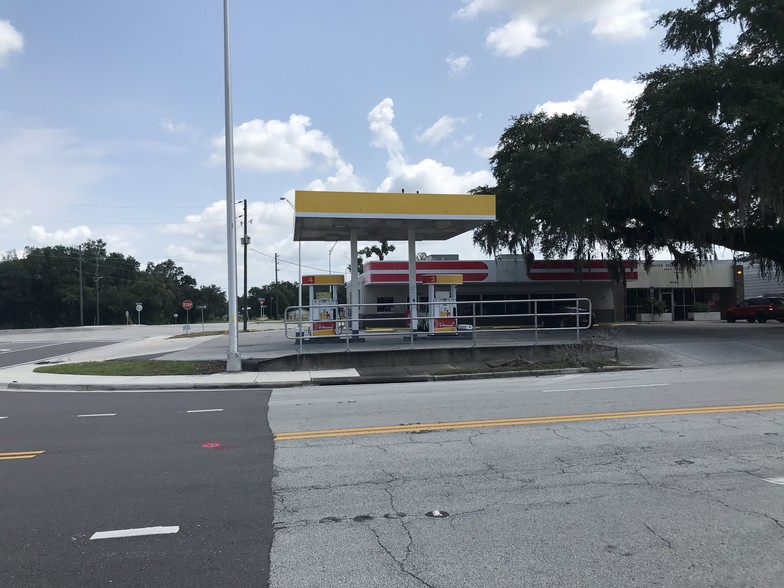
{"x": 22, "y": 377}
{"x": 265, "y": 343}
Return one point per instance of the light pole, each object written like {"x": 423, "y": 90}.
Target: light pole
{"x": 299, "y": 257}
{"x": 233, "y": 360}
{"x": 331, "y": 249}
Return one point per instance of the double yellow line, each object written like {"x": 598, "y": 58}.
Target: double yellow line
{"x": 418, "y": 427}
{"x": 20, "y": 455}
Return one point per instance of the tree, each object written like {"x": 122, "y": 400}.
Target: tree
{"x": 702, "y": 164}
{"x": 381, "y": 251}
{"x": 558, "y": 186}
{"x": 707, "y": 135}
{"x": 277, "y": 297}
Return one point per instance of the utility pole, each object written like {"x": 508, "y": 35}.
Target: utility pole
{"x": 276, "y": 289}
{"x": 81, "y": 290}
{"x": 97, "y": 294}
{"x": 245, "y": 242}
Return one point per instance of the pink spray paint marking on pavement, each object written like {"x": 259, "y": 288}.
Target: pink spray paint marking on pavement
{"x": 211, "y": 445}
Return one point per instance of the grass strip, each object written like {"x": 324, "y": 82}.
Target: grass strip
{"x": 146, "y": 367}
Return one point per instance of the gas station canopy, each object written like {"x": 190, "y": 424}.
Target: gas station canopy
{"x": 376, "y": 216}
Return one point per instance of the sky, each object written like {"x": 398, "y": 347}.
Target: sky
{"x": 112, "y": 113}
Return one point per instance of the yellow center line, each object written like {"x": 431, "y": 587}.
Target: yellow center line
{"x": 408, "y": 428}
{"x": 19, "y": 455}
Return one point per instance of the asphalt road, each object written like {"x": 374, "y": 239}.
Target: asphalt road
{"x": 18, "y": 353}
{"x": 120, "y": 461}
{"x": 661, "y": 499}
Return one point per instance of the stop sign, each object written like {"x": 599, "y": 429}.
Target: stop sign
{"x": 187, "y": 304}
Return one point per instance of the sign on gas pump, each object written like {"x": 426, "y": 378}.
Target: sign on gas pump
{"x": 324, "y": 319}
{"x": 322, "y": 295}
{"x": 442, "y": 307}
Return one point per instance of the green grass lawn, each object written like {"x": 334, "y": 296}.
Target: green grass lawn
{"x": 147, "y": 367}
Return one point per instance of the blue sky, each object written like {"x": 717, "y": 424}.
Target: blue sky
{"x": 111, "y": 113}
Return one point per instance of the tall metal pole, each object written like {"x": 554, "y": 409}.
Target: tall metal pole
{"x": 97, "y": 295}
{"x": 81, "y": 290}
{"x": 245, "y": 265}
{"x": 233, "y": 360}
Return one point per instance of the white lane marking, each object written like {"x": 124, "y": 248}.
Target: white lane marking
{"x": 97, "y": 415}
{"x": 134, "y": 532}
{"x": 207, "y": 410}
{"x": 1, "y": 418}
{"x": 775, "y": 480}
{"x": 606, "y": 388}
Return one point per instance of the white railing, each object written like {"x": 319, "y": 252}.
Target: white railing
{"x": 358, "y": 322}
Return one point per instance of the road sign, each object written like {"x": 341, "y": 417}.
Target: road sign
{"x": 187, "y": 304}
{"x": 139, "y": 308}
{"x": 262, "y": 301}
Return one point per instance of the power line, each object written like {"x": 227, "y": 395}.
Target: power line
{"x": 103, "y": 205}
{"x": 280, "y": 259}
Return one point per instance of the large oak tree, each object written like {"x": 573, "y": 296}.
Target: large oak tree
{"x": 702, "y": 164}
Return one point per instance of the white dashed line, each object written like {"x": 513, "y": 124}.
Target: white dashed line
{"x": 207, "y": 410}
{"x": 96, "y": 415}
{"x": 775, "y": 480}
{"x": 1, "y": 418}
{"x": 134, "y": 532}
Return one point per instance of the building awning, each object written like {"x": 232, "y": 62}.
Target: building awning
{"x": 376, "y": 216}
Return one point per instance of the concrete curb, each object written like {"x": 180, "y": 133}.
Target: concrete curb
{"x": 329, "y": 381}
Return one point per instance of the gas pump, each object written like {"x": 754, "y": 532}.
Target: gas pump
{"x": 442, "y": 303}
{"x": 323, "y": 303}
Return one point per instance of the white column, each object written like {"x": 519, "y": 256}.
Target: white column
{"x": 412, "y": 287}
{"x": 354, "y": 284}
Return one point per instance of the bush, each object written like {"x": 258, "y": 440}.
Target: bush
{"x": 659, "y": 306}
{"x": 700, "y": 307}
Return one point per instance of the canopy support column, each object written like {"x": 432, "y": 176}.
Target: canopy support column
{"x": 354, "y": 285}
{"x": 412, "y": 285}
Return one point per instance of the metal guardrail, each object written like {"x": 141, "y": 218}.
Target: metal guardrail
{"x": 353, "y": 322}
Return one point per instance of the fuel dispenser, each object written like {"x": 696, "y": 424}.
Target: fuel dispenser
{"x": 323, "y": 304}
{"x": 442, "y": 303}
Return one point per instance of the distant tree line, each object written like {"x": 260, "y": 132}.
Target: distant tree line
{"x": 41, "y": 288}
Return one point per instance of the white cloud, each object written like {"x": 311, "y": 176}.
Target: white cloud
{"x": 344, "y": 180}
{"x": 432, "y": 177}
{"x": 72, "y": 236}
{"x": 440, "y": 130}
{"x": 428, "y": 175}
{"x": 383, "y": 134}
{"x": 11, "y": 41}
{"x": 605, "y": 105}
{"x": 42, "y": 170}
{"x": 528, "y": 20}
{"x": 486, "y": 152}
{"x": 201, "y": 245}
{"x": 621, "y": 20}
{"x": 174, "y": 128}
{"x": 274, "y": 145}
{"x": 515, "y": 37}
{"x": 458, "y": 65}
